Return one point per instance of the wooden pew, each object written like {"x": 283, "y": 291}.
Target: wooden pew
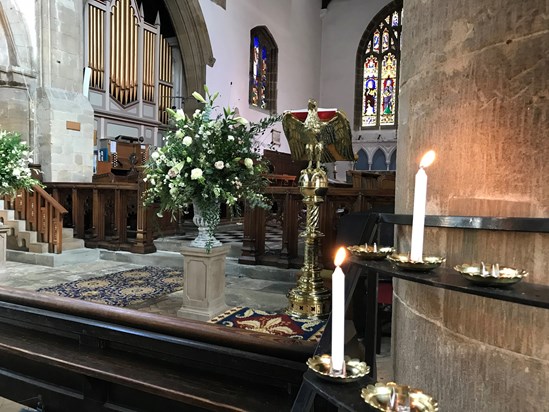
{"x": 82, "y": 356}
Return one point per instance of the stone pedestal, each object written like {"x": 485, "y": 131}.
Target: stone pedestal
{"x": 204, "y": 282}
{"x": 3, "y": 242}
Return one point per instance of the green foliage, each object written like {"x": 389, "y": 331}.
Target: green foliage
{"x": 210, "y": 160}
{"x": 14, "y": 164}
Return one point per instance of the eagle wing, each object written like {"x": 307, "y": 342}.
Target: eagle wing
{"x": 338, "y": 140}
{"x": 296, "y": 135}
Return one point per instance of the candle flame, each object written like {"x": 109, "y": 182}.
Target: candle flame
{"x": 340, "y": 256}
{"x": 427, "y": 159}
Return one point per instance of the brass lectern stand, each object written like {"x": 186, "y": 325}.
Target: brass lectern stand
{"x": 324, "y": 138}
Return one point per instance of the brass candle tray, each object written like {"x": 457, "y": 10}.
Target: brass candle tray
{"x": 394, "y": 397}
{"x": 322, "y": 366}
{"x": 500, "y": 277}
{"x": 428, "y": 263}
{"x": 368, "y": 252}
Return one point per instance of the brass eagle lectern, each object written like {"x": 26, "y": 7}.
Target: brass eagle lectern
{"x": 321, "y": 137}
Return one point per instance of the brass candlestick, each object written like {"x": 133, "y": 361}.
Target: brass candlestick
{"x": 315, "y": 140}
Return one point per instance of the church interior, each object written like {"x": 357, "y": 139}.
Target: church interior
{"x": 111, "y": 302}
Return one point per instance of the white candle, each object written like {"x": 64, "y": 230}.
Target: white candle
{"x": 338, "y": 315}
{"x": 420, "y": 201}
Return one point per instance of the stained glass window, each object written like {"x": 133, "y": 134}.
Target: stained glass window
{"x": 377, "y": 70}
{"x": 263, "y": 64}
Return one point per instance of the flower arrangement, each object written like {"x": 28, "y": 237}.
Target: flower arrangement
{"x": 15, "y": 157}
{"x": 210, "y": 159}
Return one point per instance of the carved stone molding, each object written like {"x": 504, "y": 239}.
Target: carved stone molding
{"x": 192, "y": 35}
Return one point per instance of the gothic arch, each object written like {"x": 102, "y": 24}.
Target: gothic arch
{"x": 379, "y": 160}
{"x": 362, "y": 162}
{"x": 392, "y": 161}
{"x": 372, "y": 57}
{"x": 16, "y": 36}
{"x": 194, "y": 41}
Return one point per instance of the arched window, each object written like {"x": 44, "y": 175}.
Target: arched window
{"x": 362, "y": 162}
{"x": 377, "y": 68}
{"x": 263, "y": 69}
{"x": 379, "y": 161}
{"x": 393, "y": 162}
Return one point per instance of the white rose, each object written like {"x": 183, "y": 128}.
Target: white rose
{"x": 196, "y": 173}
{"x": 249, "y": 163}
{"x": 219, "y": 164}
{"x": 230, "y": 138}
{"x": 187, "y": 140}
{"x": 155, "y": 155}
{"x": 179, "y": 134}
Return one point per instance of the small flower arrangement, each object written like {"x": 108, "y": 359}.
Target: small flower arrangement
{"x": 210, "y": 159}
{"x": 15, "y": 173}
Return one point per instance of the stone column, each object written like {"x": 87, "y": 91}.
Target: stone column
{"x": 64, "y": 117}
{"x": 3, "y": 242}
{"x": 204, "y": 282}
{"x": 474, "y": 89}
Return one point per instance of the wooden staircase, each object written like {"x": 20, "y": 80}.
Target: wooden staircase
{"x": 36, "y": 223}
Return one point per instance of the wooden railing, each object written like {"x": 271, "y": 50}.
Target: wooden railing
{"x": 43, "y": 215}
{"x": 111, "y": 215}
{"x": 289, "y": 213}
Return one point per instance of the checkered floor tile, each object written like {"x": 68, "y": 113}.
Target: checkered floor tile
{"x": 273, "y": 235}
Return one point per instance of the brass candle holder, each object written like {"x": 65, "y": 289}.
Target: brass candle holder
{"x": 322, "y": 365}
{"x": 391, "y": 397}
{"x": 427, "y": 263}
{"x": 495, "y": 276}
{"x": 370, "y": 252}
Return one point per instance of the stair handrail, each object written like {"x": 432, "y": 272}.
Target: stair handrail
{"x": 50, "y": 200}
{"x": 43, "y": 214}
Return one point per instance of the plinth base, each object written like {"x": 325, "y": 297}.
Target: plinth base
{"x": 204, "y": 282}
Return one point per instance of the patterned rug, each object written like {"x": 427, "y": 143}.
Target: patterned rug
{"x": 272, "y": 323}
{"x": 129, "y": 287}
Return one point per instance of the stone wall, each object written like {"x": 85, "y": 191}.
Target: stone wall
{"x": 474, "y": 88}
{"x": 41, "y": 74}
{"x": 65, "y": 152}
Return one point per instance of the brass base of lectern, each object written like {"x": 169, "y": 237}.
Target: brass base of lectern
{"x": 309, "y": 304}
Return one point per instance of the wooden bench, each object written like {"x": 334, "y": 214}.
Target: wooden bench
{"x": 81, "y": 356}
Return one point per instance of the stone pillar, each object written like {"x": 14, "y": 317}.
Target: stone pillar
{"x": 64, "y": 117}
{"x": 204, "y": 282}
{"x": 65, "y": 131}
{"x": 3, "y": 242}
{"x": 474, "y": 89}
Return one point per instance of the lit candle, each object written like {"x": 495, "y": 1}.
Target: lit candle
{"x": 338, "y": 315}
{"x": 420, "y": 201}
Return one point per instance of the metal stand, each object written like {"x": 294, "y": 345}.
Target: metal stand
{"x": 311, "y": 299}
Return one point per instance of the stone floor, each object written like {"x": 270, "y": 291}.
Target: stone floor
{"x": 240, "y": 290}
{"x": 265, "y": 291}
